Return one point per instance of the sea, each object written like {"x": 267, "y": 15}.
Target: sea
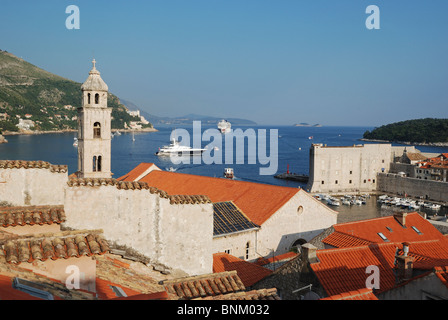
{"x": 292, "y": 144}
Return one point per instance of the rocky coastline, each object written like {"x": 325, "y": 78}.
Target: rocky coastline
{"x": 2, "y": 139}
{"x": 428, "y": 144}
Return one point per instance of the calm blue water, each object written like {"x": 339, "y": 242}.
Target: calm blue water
{"x": 293, "y": 149}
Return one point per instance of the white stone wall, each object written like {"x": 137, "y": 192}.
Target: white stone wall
{"x": 32, "y": 186}
{"x": 302, "y": 217}
{"x": 178, "y": 236}
{"x": 347, "y": 169}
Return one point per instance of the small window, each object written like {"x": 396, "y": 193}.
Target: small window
{"x": 96, "y": 130}
{"x": 390, "y": 229}
{"x": 416, "y": 230}
{"x": 382, "y": 236}
{"x": 88, "y": 98}
{"x": 119, "y": 292}
{"x": 351, "y": 172}
{"x": 247, "y": 250}
{"x": 365, "y": 180}
{"x": 323, "y": 182}
{"x": 349, "y": 181}
{"x": 32, "y": 288}
{"x": 299, "y": 209}
{"x": 336, "y": 182}
{"x": 97, "y": 98}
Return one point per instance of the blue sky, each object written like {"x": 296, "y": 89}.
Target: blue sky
{"x": 275, "y": 62}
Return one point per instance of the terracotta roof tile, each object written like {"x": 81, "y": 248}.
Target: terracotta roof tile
{"x": 344, "y": 269}
{"x": 366, "y": 231}
{"x": 135, "y": 173}
{"x": 204, "y": 285}
{"x": 18, "y": 164}
{"x": 361, "y": 294}
{"x": 50, "y": 246}
{"x": 31, "y": 215}
{"x": 250, "y": 273}
{"x": 261, "y": 294}
{"x": 258, "y": 201}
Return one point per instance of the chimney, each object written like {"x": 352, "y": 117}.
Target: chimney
{"x": 309, "y": 253}
{"x": 404, "y": 264}
{"x": 401, "y": 218}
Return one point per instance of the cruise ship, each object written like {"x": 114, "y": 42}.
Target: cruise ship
{"x": 177, "y": 149}
{"x": 224, "y": 126}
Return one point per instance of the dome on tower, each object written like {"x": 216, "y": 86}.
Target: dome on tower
{"x": 94, "y": 81}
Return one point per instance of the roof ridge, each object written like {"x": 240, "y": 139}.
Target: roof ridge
{"x": 220, "y": 179}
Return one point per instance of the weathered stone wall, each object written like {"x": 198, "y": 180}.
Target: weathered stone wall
{"x": 25, "y": 183}
{"x": 176, "y": 235}
{"x": 426, "y": 189}
{"x": 347, "y": 169}
{"x": 408, "y": 169}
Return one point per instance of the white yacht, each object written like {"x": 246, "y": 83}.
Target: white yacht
{"x": 176, "y": 148}
{"x": 224, "y": 126}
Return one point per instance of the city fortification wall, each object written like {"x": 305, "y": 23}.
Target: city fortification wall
{"x": 418, "y": 188}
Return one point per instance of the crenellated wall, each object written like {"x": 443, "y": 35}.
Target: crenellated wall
{"x": 175, "y": 231}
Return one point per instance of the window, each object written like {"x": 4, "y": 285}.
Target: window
{"x": 351, "y": 172}
{"x": 299, "y": 209}
{"x": 97, "y": 163}
{"x": 227, "y": 251}
{"x": 88, "y": 98}
{"x": 323, "y": 182}
{"x": 96, "y": 130}
{"x": 119, "y": 292}
{"x": 416, "y": 230}
{"x": 350, "y": 181}
{"x": 97, "y": 98}
{"x": 382, "y": 236}
{"x": 373, "y": 180}
{"x": 365, "y": 180}
{"x": 247, "y": 250}
{"x": 390, "y": 229}
{"x": 336, "y": 182}
{"x": 32, "y": 288}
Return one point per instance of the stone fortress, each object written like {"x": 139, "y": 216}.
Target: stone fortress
{"x": 376, "y": 167}
{"x": 175, "y": 221}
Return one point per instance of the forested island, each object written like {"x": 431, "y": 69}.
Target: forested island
{"x": 429, "y": 131}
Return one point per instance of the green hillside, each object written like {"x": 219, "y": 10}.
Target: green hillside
{"x": 427, "y": 130}
{"x": 27, "y": 89}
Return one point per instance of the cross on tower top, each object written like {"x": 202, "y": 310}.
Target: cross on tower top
{"x": 94, "y": 62}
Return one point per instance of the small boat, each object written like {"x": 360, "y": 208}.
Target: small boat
{"x": 177, "y": 149}
{"x": 333, "y": 202}
{"x": 171, "y": 169}
{"x": 346, "y": 202}
{"x": 228, "y": 173}
{"x": 75, "y": 143}
{"x": 117, "y": 133}
{"x": 224, "y": 126}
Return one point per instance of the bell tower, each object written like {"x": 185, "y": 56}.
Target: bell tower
{"x": 94, "y": 129}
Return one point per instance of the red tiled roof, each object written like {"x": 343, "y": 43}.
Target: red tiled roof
{"x": 137, "y": 172}
{"x": 258, "y": 201}
{"x": 282, "y": 257}
{"x": 7, "y": 292}
{"x": 366, "y": 231}
{"x": 361, "y": 294}
{"x": 202, "y": 286}
{"x": 344, "y": 269}
{"x": 442, "y": 274}
{"x": 249, "y": 273}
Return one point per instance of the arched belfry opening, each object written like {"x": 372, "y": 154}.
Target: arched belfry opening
{"x": 97, "y": 130}
{"x": 97, "y": 98}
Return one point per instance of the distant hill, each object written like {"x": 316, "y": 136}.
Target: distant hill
{"x": 304, "y": 124}
{"x": 422, "y": 131}
{"x": 187, "y": 119}
{"x": 28, "y": 90}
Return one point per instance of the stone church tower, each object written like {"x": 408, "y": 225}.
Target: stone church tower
{"x": 94, "y": 129}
